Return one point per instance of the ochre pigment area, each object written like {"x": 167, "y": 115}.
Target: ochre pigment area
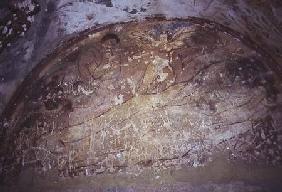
{"x": 155, "y": 95}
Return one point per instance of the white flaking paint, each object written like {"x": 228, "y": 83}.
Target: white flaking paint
{"x": 119, "y": 100}
{"x": 160, "y": 64}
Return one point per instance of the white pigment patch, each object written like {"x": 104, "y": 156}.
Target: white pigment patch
{"x": 119, "y": 100}
{"x": 160, "y": 64}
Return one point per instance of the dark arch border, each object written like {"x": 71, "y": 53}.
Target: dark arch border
{"x": 65, "y": 44}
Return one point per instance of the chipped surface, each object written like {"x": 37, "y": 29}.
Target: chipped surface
{"x": 234, "y": 101}
{"x": 151, "y": 96}
{"x": 52, "y": 21}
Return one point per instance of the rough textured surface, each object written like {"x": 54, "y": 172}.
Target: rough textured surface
{"x": 169, "y": 106}
{"x": 59, "y": 20}
{"x": 143, "y": 98}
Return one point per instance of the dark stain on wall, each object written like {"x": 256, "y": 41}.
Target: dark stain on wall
{"x": 108, "y": 3}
